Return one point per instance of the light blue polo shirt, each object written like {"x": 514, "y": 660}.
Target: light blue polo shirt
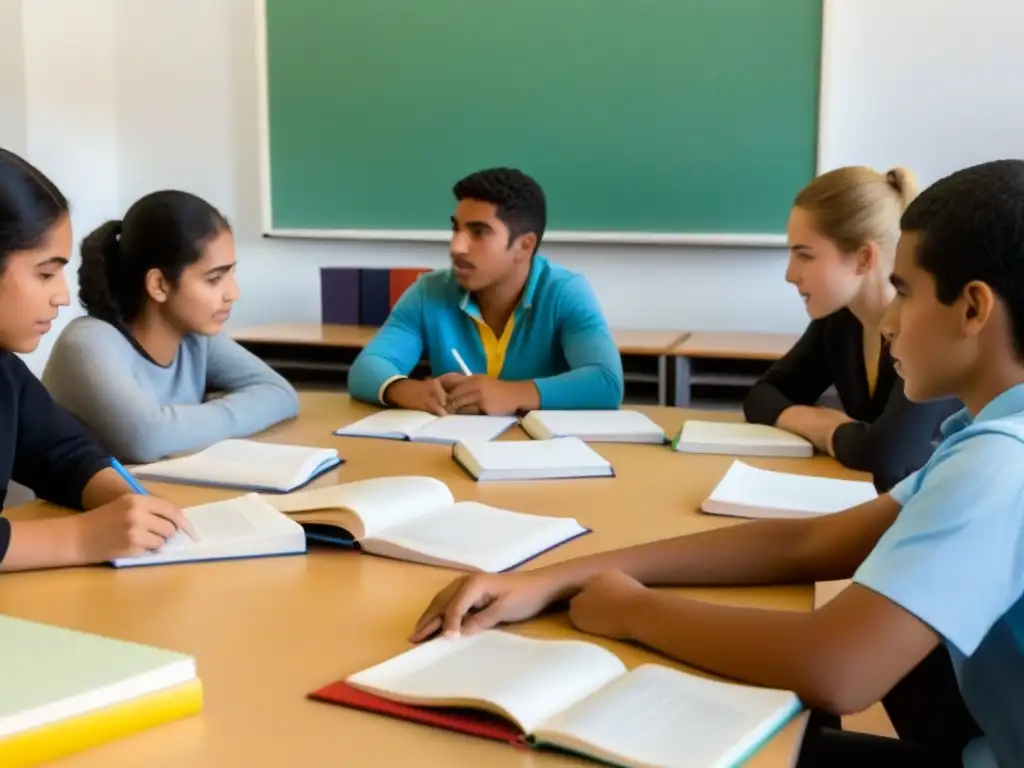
{"x": 954, "y": 558}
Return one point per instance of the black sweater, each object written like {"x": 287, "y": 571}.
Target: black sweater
{"x": 42, "y": 446}
{"x": 891, "y": 437}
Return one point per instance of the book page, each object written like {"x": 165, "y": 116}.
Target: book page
{"x": 659, "y": 716}
{"x": 745, "y": 488}
{"x": 377, "y": 503}
{"x": 623, "y": 425}
{"x": 247, "y": 463}
{"x": 452, "y": 429}
{"x": 393, "y": 422}
{"x": 526, "y": 680}
{"x": 560, "y": 453}
{"x": 741, "y": 434}
{"x": 474, "y": 536}
{"x": 223, "y": 525}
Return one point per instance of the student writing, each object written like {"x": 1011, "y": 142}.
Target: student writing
{"x": 530, "y": 331}
{"x": 842, "y": 236}
{"x": 937, "y": 560}
{"x": 41, "y": 445}
{"x": 158, "y": 288}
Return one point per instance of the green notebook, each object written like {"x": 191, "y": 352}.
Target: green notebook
{"x": 50, "y": 674}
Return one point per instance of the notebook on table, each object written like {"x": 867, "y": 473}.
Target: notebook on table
{"x": 569, "y": 695}
{"x": 243, "y": 527}
{"x": 423, "y": 427}
{"x": 740, "y": 439}
{"x": 65, "y": 691}
{"x": 245, "y": 464}
{"x": 622, "y": 426}
{"x": 417, "y": 519}
{"x": 747, "y": 491}
{"x": 560, "y": 457}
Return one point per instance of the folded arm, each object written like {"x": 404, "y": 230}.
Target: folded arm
{"x": 595, "y": 378}
{"x": 392, "y": 353}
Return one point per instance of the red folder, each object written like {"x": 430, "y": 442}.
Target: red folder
{"x": 471, "y": 721}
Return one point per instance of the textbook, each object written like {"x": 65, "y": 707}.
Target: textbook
{"x": 740, "y": 439}
{"x": 417, "y": 519}
{"x": 746, "y": 491}
{"x": 423, "y": 427}
{"x": 560, "y": 457}
{"x": 594, "y": 426}
{"x": 65, "y": 691}
{"x": 242, "y": 527}
{"x": 245, "y": 464}
{"x": 570, "y": 695}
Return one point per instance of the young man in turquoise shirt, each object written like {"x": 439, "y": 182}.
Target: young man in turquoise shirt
{"x": 530, "y": 332}
{"x": 938, "y": 560}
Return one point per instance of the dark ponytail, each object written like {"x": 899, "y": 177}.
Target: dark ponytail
{"x": 164, "y": 230}
{"x": 30, "y": 204}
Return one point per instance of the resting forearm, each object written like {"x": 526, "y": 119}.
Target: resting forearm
{"x": 814, "y": 423}
{"x": 49, "y": 543}
{"x": 590, "y": 387}
{"x": 104, "y": 487}
{"x": 762, "y": 552}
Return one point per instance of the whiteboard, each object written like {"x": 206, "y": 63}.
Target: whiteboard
{"x": 934, "y": 86}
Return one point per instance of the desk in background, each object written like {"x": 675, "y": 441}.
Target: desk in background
{"x": 266, "y": 632}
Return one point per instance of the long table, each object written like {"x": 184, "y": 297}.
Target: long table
{"x": 267, "y": 632}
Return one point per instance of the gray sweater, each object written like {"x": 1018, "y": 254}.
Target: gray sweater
{"x": 141, "y": 411}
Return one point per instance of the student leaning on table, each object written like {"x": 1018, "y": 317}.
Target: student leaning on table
{"x": 158, "y": 288}
{"x": 531, "y": 332}
{"x": 937, "y": 560}
{"x": 842, "y": 235}
{"x": 41, "y": 445}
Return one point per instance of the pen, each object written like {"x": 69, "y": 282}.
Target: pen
{"x": 127, "y": 477}
{"x": 461, "y": 362}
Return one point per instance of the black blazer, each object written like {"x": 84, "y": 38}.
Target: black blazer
{"x": 891, "y": 437}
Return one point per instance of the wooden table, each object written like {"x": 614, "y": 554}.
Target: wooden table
{"x": 266, "y": 632}
{"x": 729, "y": 359}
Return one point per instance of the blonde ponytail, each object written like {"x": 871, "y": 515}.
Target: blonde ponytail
{"x": 855, "y": 205}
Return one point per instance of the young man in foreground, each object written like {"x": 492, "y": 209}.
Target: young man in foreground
{"x": 939, "y": 559}
{"x": 504, "y": 329}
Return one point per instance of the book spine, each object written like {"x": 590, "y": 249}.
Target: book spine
{"x": 100, "y": 726}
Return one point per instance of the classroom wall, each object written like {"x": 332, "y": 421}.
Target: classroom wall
{"x": 187, "y": 116}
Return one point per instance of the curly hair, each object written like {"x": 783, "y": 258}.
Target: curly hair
{"x": 518, "y": 198}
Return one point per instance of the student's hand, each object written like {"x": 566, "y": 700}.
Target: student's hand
{"x": 482, "y": 394}
{"x": 427, "y": 395}
{"x": 602, "y": 607}
{"x": 475, "y": 603}
{"x": 129, "y": 525}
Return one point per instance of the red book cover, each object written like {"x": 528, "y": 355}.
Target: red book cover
{"x": 401, "y": 280}
{"x": 470, "y": 721}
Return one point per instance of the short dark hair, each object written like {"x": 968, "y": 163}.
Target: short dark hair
{"x": 518, "y": 198}
{"x": 164, "y": 230}
{"x": 971, "y": 227}
{"x": 30, "y": 204}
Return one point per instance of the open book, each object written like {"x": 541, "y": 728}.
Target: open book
{"x": 560, "y": 457}
{"x": 746, "y": 491}
{"x": 417, "y": 519}
{"x": 571, "y": 695}
{"x": 246, "y": 464}
{"x": 64, "y": 691}
{"x": 594, "y": 426}
{"x": 420, "y": 426}
{"x": 242, "y": 527}
{"x": 740, "y": 439}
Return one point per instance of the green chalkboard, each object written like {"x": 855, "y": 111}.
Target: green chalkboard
{"x": 650, "y": 116}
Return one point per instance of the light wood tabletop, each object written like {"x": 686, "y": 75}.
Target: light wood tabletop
{"x": 309, "y": 334}
{"x": 727, "y": 344}
{"x": 637, "y": 342}
{"x": 267, "y": 632}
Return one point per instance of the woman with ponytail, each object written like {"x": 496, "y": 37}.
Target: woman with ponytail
{"x": 158, "y": 288}
{"x": 41, "y": 445}
{"x": 842, "y": 235}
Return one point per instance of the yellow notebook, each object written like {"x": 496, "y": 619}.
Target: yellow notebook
{"x": 100, "y": 726}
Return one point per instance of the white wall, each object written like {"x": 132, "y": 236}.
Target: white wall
{"x": 12, "y": 77}
{"x": 70, "y": 115}
{"x": 187, "y": 117}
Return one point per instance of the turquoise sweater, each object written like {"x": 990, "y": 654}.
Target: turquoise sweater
{"x": 560, "y": 340}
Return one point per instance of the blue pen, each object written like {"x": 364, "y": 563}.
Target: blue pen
{"x": 124, "y": 473}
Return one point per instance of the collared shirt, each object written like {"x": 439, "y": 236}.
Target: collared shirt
{"x": 954, "y": 558}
